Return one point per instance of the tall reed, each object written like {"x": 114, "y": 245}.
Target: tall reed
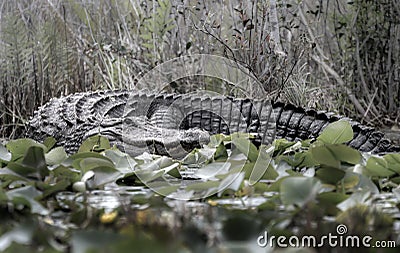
{"x": 346, "y": 52}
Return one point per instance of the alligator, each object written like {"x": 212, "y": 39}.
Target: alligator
{"x": 174, "y": 124}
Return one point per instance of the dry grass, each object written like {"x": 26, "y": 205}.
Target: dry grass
{"x": 346, "y": 54}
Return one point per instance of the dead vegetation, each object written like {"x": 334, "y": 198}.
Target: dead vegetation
{"x": 341, "y": 55}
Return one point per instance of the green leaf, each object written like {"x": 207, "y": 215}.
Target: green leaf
{"x": 164, "y": 190}
{"x": 123, "y": 162}
{"x": 351, "y": 180}
{"x": 330, "y": 175}
{"x": 324, "y": 155}
{"x": 262, "y": 168}
{"x": 275, "y": 186}
{"x": 29, "y": 193}
{"x": 221, "y": 153}
{"x": 21, "y": 234}
{"x": 345, "y": 153}
{"x": 299, "y": 190}
{"x": 337, "y": 132}
{"x": 173, "y": 170}
{"x": 199, "y": 156}
{"x": 329, "y": 201}
{"x": 58, "y": 187}
{"x": 92, "y": 163}
{"x": 212, "y": 169}
{"x": 56, "y": 156}
{"x": 282, "y": 144}
{"x": 75, "y": 160}
{"x": 9, "y": 174}
{"x": 82, "y": 155}
{"x": 333, "y": 154}
{"x": 146, "y": 36}
{"x": 49, "y": 142}
{"x": 157, "y": 164}
{"x": 147, "y": 176}
{"x": 377, "y": 166}
{"x": 304, "y": 159}
{"x": 232, "y": 181}
{"x": 393, "y": 162}
{"x": 33, "y": 163}
{"x": 333, "y": 198}
{"x": 96, "y": 143}
{"x": 34, "y": 158}
{"x": 103, "y": 175}
{"x": 217, "y": 139}
{"x": 153, "y": 170}
{"x": 67, "y": 173}
{"x": 24, "y": 171}
{"x": 246, "y": 147}
{"x": 19, "y": 147}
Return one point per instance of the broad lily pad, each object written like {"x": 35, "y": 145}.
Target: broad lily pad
{"x": 330, "y": 175}
{"x": 333, "y": 154}
{"x": 393, "y": 162}
{"x": 337, "y": 133}
{"x": 299, "y": 190}
{"x": 19, "y": 147}
{"x": 56, "y": 156}
{"x": 324, "y": 155}
{"x": 94, "y": 143}
{"x": 377, "y": 166}
{"x": 21, "y": 234}
{"x": 123, "y": 162}
{"x": 262, "y": 168}
{"x": 232, "y": 181}
{"x": 28, "y": 194}
{"x": 211, "y": 170}
{"x": 246, "y": 147}
{"x": 34, "y": 158}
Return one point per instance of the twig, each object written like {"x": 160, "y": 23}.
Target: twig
{"x": 287, "y": 76}
{"x": 273, "y": 15}
{"x": 370, "y": 103}
{"x": 340, "y": 81}
{"x": 310, "y": 32}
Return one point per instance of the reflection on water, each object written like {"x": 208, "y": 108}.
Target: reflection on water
{"x": 112, "y": 197}
{"x": 202, "y": 216}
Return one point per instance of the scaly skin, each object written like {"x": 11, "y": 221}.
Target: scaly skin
{"x": 158, "y": 123}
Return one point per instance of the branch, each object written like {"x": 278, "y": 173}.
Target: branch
{"x": 273, "y": 15}
{"x": 340, "y": 81}
{"x": 310, "y": 32}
